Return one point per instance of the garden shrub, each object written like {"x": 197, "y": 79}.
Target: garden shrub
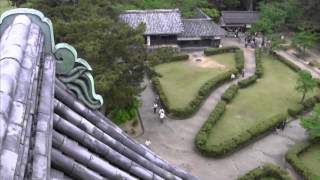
{"x": 179, "y": 57}
{"x": 259, "y": 66}
{"x": 294, "y": 111}
{"x": 202, "y": 135}
{"x": 214, "y": 51}
{"x": 230, "y": 93}
{"x": 239, "y": 58}
{"x": 229, "y": 145}
{"x": 292, "y": 157}
{"x": 194, "y": 105}
{"x": 247, "y": 82}
{"x": 266, "y": 171}
{"x": 309, "y": 103}
{"x": 287, "y": 62}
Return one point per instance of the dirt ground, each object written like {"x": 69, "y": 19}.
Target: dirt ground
{"x": 198, "y": 59}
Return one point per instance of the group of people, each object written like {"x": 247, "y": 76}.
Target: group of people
{"x": 250, "y": 40}
{"x": 161, "y": 110}
{"x": 233, "y": 76}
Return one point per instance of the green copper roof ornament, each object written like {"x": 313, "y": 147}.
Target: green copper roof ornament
{"x": 74, "y": 72}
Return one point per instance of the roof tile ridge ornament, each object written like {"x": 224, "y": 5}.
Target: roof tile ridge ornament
{"x": 75, "y": 72}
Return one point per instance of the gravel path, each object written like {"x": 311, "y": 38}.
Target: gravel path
{"x": 174, "y": 139}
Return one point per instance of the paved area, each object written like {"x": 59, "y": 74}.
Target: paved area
{"x": 174, "y": 139}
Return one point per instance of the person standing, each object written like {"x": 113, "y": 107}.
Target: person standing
{"x": 155, "y": 106}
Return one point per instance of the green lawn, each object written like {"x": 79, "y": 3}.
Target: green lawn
{"x": 4, "y": 5}
{"x": 311, "y": 159}
{"x": 269, "y": 96}
{"x": 182, "y": 80}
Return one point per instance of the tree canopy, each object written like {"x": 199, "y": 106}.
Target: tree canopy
{"x": 312, "y": 122}
{"x": 305, "y": 83}
{"x": 114, "y": 50}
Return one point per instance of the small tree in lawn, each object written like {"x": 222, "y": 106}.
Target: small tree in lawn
{"x": 305, "y": 39}
{"x": 305, "y": 83}
{"x": 312, "y": 122}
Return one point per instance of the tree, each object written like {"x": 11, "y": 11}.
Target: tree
{"x": 114, "y": 50}
{"x": 272, "y": 16}
{"x": 304, "y": 39}
{"x": 312, "y": 122}
{"x": 305, "y": 83}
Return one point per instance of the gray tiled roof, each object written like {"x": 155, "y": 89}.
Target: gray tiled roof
{"x": 238, "y": 17}
{"x": 48, "y": 133}
{"x": 157, "y": 21}
{"x": 200, "y": 28}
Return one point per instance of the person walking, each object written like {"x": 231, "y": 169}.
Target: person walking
{"x": 242, "y": 72}
{"x": 161, "y": 110}
{"x": 155, "y": 106}
{"x": 162, "y": 116}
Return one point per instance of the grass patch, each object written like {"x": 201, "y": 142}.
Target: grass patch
{"x": 269, "y": 96}
{"x": 311, "y": 159}
{"x": 181, "y": 81}
{"x": 4, "y": 5}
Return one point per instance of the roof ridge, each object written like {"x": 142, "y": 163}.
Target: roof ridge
{"x": 151, "y": 11}
{"x": 239, "y": 11}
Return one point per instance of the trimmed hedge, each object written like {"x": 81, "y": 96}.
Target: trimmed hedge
{"x": 266, "y": 171}
{"x": 229, "y": 145}
{"x": 287, "y": 62}
{"x": 201, "y": 137}
{"x": 259, "y": 66}
{"x": 230, "y": 93}
{"x": 292, "y": 157}
{"x": 239, "y": 58}
{"x": 261, "y": 128}
{"x": 214, "y": 51}
{"x": 180, "y": 57}
{"x": 194, "y": 105}
{"x": 294, "y": 112}
{"x": 205, "y": 89}
{"x": 247, "y": 82}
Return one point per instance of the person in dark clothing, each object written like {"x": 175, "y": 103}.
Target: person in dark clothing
{"x": 242, "y": 72}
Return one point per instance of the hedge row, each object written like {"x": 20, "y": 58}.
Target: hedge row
{"x": 214, "y": 51}
{"x": 230, "y": 93}
{"x": 308, "y": 104}
{"x": 287, "y": 62}
{"x": 243, "y": 138}
{"x": 247, "y": 82}
{"x": 180, "y": 57}
{"x": 194, "y": 105}
{"x": 239, "y": 58}
{"x": 259, "y": 66}
{"x": 292, "y": 157}
{"x": 202, "y": 136}
{"x": 215, "y": 115}
{"x": 266, "y": 171}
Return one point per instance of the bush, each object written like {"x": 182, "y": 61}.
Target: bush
{"x": 230, "y": 93}
{"x": 247, "y": 82}
{"x": 309, "y": 103}
{"x": 194, "y": 105}
{"x": 229, "y": 145}
{"x": 180, "y": 57}
{"x": 266, "y": 171}
{"x": 239, "y": 58}
{"x": 287, "y": 62}
{"x": 202, "y": 135}
{"x": 259, "y": 66}
{"x": 293, "y": 112}
{"x": 214, "y": 51}
{"x": 292, "y": 157}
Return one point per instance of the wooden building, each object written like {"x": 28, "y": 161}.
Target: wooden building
{"x": 238, "y": 20}
{"x": 167, "y": 27}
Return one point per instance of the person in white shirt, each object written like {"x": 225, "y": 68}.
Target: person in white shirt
{"x": 162, "y": 116}
{"x": 155, "y": 106}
